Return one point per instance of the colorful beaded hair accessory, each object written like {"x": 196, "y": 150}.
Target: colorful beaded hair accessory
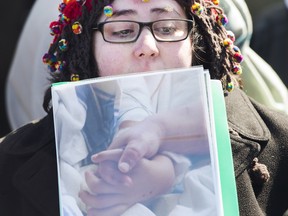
{"x": 70, "y": 11}
{"x": 197, "y": 9}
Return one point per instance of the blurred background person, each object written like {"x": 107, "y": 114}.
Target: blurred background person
{"x": 260, "y": 80}
{"x": 270, "y": 37}
{"x": 13, "y": 16}
{"x": 257, "y": 6}
{"x": 27, "y": 72}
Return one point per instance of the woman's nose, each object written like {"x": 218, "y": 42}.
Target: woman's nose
{"x": 146, "y": 45}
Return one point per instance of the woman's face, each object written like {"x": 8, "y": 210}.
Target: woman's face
{"x": 145, "y": 54}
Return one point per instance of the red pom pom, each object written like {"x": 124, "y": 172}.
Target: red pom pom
{"x": 72, "y": 10}
{"x": 55, "y": 28}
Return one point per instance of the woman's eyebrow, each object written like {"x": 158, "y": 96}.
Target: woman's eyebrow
{"x": 118, "y": 13}
{"x": 164, "y": 10}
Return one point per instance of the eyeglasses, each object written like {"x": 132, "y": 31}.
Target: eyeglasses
{"x": 126, "y": 31}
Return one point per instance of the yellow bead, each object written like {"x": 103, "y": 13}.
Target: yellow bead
{"x": 230, "y": 86}
{"x": 74, "y": 77}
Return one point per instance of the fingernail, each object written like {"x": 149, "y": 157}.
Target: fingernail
{"x": 93, "y": 157}
{"x": 124, "y": 167}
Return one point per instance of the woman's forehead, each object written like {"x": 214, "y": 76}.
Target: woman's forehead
{"x": 141, "y": 4}
{"x": 144, "y": 9}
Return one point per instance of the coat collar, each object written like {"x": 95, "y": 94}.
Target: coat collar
{"x": 30, "y": 138}
{"x": 250, "y": 133}
{"x": 244, "y": 118}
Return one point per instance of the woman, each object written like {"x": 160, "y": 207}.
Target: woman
{"x": 87, "y": 44}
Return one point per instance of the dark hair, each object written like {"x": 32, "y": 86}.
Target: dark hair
{"x": 207, "y": 39}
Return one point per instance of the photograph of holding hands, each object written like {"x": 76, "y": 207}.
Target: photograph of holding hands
{"x": 131, "y": 142}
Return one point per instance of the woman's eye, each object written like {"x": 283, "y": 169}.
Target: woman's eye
{"x": 123, "y": 33}
{"x": 165, "y": 30}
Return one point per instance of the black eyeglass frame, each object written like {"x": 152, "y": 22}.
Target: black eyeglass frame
{"x": 100, "y": 25}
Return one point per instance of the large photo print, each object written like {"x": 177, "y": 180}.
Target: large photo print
{"x": 139, "y": 144}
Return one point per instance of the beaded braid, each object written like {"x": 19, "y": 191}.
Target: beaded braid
{"x": 77, "y": 61}
{"x": 209, "y": 50}
{"x": 79, "y": 56}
